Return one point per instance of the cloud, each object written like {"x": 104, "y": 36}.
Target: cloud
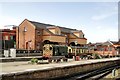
{"x": 102, "y": 33}
{"x": 7, "y": 20}
{"x": 102, "y": 16}
{"x": 112, "y": 11}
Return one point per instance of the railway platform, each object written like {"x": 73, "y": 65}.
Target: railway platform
{"x": 24, "y": 70}
{"x": 10, "y": 59}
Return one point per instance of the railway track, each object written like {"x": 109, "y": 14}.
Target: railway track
{"x": 91, "y": 75}
{"x": 97, "y": 74}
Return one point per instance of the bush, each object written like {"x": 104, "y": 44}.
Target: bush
{"x": 34, "y": 60}
{"x": 96, "y": 56}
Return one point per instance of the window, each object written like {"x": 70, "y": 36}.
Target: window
{"x": 82, "y": 36}
{"x": 25, "y": 29}
{"x": 73, "y": 50}
{"x": 69, "y": 50}
{"x": 11, "y": 37}
{"x": 38, "y": 45}
{"x": 38, "y": 33}
{"x": 102, "y": 49}
{"x": 110, "y": 49}
{"x": 6, "y": 37}
{"x": 83, "y": 51}
{"x": 67, "y": 39}
{"x": 77, "y": 51}
{"x": 57, "y": 32}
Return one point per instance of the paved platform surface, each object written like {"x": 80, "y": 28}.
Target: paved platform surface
{"x": 10, "y": 59}
{"x": 117, "y": 74}
{"x": 14, "y": 67}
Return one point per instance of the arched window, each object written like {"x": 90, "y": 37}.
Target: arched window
{"x": 69, "y": 50}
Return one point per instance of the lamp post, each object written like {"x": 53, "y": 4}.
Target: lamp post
{"x": 75, "y": 48}
{"x": 108, "y": 50}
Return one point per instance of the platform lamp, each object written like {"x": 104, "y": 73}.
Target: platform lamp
{"x": 109, "y": 50}
{"x": 75, "y": 48}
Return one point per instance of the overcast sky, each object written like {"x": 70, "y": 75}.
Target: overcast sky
{"x": 97, "y": 20}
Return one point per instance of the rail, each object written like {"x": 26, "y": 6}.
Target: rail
{"x": 98, "y": 74}
{"x": 94, "y": 74}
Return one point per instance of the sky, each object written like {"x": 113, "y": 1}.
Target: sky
{"x": 97, "y": 20}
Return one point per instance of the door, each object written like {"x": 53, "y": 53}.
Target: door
{"x": 26, "y": 45}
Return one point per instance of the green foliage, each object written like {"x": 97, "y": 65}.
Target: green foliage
{"x": 34, "y": 60}
{"x": 96, "y": 56}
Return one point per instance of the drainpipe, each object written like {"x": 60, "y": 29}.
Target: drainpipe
{"x": 18, "y": 39}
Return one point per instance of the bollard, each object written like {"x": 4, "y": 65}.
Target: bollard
{"x": 77, "y": 58}
{"x": 13, "y": 52}
{"x": 6, "y": 53}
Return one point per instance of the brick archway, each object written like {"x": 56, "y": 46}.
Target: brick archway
{"x": 46, "y": 42}
{"x": 72, "y": 44}
{"x": 49, "y": 42}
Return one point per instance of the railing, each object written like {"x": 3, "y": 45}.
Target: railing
{"x": 22, "y": 53}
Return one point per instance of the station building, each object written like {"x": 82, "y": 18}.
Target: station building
{"x": 8, "y": 38}
{"x": 108, "y": 48}
{"x": 33, "y": 35}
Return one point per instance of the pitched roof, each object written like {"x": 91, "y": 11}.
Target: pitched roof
{"x": 107, "y": 43}
{"x": 40, "y": 25}
{"x": 43, "y": 26}
{"x": 115, "y": 42}
{"x": 66, "y": 30}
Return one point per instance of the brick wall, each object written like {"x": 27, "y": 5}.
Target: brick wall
{"x": 25, "y": 36}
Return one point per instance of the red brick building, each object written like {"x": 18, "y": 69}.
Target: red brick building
{"x": 109, "y": 48}
{"x": 8, "y": 38}
{"x": 33, "y": 35}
